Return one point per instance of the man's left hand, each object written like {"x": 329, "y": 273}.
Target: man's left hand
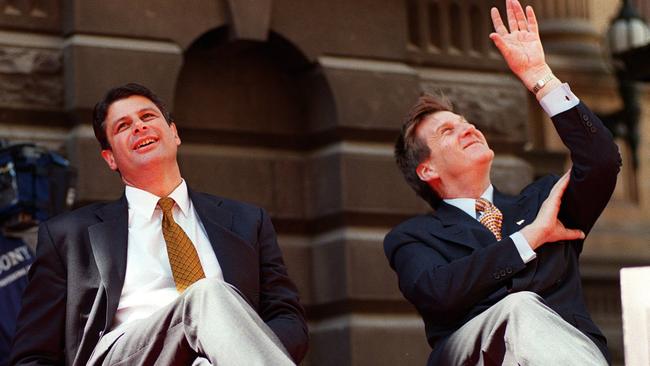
{"x": 521, "y": 46}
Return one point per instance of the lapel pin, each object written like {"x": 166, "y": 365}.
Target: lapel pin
{"x": 520, "y": 222}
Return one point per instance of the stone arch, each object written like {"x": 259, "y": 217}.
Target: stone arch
{"x": 246, "y": 92}
{"x": 249, "y": 113}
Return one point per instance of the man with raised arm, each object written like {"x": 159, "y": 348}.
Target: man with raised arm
{"x": 163, "y": 276}
{"x": 496, "y": 277}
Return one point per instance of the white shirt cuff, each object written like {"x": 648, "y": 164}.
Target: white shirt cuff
{"x": 559, "y": 100}
{"x": 527, "y": 254}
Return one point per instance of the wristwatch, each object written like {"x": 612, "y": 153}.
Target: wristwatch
{"x": 541, "y": 82}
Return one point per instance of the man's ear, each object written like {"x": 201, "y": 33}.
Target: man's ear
{"x": 427, "y": 171}
{"x": 175, "y": 131}
{"x": 107, "y": 154}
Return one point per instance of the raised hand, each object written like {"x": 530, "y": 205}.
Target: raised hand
{"x": 520, "y": 46}
{"x": 547, "y": 228}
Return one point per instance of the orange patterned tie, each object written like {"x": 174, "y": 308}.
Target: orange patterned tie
{"x": 183, "y": 258}
{"x": 491, "y": 218}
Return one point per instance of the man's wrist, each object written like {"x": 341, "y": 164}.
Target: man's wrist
{"x": 540, "y": 80}
{"x": 526, "y": 253}
{"x": 541, "y": 83}
{"x": 531, "y": 235}
{"x": 532, "y": 75}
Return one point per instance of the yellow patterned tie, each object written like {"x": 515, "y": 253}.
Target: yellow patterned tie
{"x": 183, "y": 258}
{"x": 492, "y": 217}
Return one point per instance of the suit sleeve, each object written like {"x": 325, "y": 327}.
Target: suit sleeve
{"x": 279, "y": 304}
{"x": 442, "y": 288}
{"x": 596, "y": 163}
{"x": 39, "y": 338}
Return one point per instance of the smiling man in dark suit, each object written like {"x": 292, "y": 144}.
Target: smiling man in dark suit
{"x": 495, "y": 277}
{"x": 163, "y": 276}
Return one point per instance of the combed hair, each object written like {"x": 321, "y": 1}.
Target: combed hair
{"x": 410, "y": 150}
{"x": 118, "y": 93}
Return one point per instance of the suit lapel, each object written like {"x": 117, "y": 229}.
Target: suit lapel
{"x": 516, "y": 214}
{"x": 231, "y": 250}
{"x": 460, "y": 228}
{"x": 108, "y": 240}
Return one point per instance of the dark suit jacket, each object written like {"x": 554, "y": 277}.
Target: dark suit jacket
{"x": 452, "y": 268}
{"x": 77, "y": 278}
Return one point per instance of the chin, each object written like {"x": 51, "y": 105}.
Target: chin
{"x": 485, "y": 156}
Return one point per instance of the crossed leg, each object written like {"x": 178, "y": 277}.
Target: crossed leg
{"x": 210, "y": 319}
{"x": 518, "y": 330}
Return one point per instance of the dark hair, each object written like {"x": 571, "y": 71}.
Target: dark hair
{"x": 119, "y": 93}
{"x": 410, "y": 150}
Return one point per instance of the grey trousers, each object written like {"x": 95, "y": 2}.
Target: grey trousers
{"x": 210, "y": 320}
{"x": 519, "y": 330}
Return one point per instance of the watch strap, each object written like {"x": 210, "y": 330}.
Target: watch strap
{"x": 542, "y": 82}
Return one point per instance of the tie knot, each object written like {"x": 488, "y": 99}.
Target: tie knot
{"x": 482, "y": 205}
{"x": 490, "y": 216}
{"x": 166, "y": 204}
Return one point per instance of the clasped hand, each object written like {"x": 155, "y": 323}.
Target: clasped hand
{"x": 547, "y": 228}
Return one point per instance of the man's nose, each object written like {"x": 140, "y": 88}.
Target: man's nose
{"x": 468, "y": 128}
{"x": 139, "y": 125}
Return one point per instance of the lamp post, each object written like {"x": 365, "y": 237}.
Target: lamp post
{"x": 627, "y": 32}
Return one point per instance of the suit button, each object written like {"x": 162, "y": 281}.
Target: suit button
{"x": 585, "y": 117}
{"x": 508, "y": 270}
{"x": 588, "y": 124}
{"x": 502, "y": 272}
{"x": 593, "y": 130}
{"x": 495, "y": 275}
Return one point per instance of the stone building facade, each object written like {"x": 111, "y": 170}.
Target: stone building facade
{"x": 294, "y": 106}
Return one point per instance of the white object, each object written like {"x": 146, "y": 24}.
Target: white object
{"x": 635, "y": 298}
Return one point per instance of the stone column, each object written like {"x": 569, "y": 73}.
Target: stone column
{"x": 565, "y": 27}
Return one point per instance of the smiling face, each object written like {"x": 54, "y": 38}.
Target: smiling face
{"x": 141, "y": 141}
{"x": 458, "y": 151}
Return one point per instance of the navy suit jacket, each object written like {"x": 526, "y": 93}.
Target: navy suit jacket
{"x": 452, "y": 268}
{"x": 77, "y": 278}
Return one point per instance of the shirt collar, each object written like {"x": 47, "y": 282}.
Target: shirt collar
{"x": 468, "y": 205}
{"x": 144, "y": 203}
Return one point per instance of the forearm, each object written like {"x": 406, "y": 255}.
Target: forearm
{"x": 595, "y": 165}
{"x": 437, "y": 284}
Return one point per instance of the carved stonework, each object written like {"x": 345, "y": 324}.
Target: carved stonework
{"x": 452, "y": 32}
{"x": 250, "y": 19}
{"x": 566, "y": 30}
{"x": 31, "y": 78}
{"x": 15, "y": 60}
{"x": 561, "y": 9}
{"x": 498, "y": 110}
{"x": 44, "y": 15}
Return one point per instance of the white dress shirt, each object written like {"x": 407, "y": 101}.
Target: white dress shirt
{"x": 468, "y": 205}
{"x": 148, "y": 283}
{"x": 558, "y": 100}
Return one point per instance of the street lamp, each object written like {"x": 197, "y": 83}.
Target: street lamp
{"x": 627, "y": 33}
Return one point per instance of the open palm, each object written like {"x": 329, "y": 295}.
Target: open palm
{"x": 520, "y": 46}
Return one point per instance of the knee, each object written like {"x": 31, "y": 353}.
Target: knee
{"x": 523, "y": 300}
{"x": 205, "y": 286}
